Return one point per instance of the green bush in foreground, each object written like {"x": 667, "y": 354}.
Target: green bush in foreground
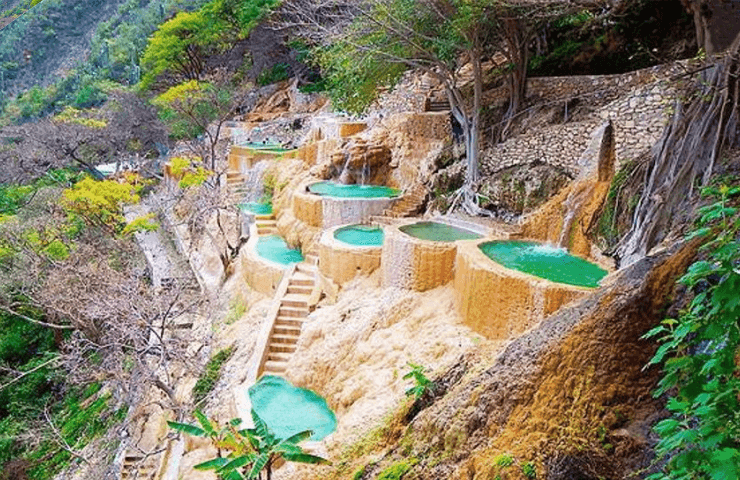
{"x": 699, "y": 354}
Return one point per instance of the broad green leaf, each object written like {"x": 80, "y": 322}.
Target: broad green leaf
{"x": 298, "y": 437}
{"x": 213, "y": 464}
{"x": 187, "y": 428}
{"x": 237, "y": 462}
{"x": 204, "y": 422}
{"x": 260, "y": 463}
{"x": 306, "y": 458}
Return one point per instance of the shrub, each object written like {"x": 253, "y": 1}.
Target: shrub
{"x": 422, "y": 384}
{"x": 397, "y": 470}
{"x": 210, "y": 375}
{"x": 699, "y": 354}
{"x": 277, "y": 73}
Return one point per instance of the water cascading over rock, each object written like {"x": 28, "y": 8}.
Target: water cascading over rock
{"x": 564, "y": 220}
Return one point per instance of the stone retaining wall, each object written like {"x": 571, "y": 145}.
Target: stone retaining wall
{"x": 341, "y": 262}
{"x": 326, "y": 212}
{"x": 415, "y": 264}
{"x": 500, "y": 303}
{"x": 261, "y": 275}
{"x": 638, "y": 123}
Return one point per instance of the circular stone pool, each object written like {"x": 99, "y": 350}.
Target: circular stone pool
{"x": 256, "y": 208}
{"x": 360, "y": 235}
{"x": 339, "y": 190}
{"x": 544, "y": 261}
{"x": 288, "y": 410}
{"x": 274, "y": 248}
{"x": 438, "y": 232}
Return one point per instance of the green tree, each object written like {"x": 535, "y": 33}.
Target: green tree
{"x": 180, "y": 46}
{"x": 437, "y": 37}
{"x": 251, "y": 452}
{"x": 197, "y": 108}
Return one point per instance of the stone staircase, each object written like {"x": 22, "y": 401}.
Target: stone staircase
{"x": 139, "y": 467}
{"x": 292, "y": 312}
{"x": 235, "y": 187}
{"x": 437, "y": 105}
{"x": 409, "y": 204}
{"x": 266, "y": 224}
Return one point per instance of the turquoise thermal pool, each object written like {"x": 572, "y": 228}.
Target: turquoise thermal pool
{"x": 333, "y": 189}
{"x": 360, "y": 235}
{"x": 544, "y": 261}
{"x": 288, "y": 410}
{"x": 266, "y": 147}
{"x": 438, "y": 232}
{"x": 274, "y": 248}
{"x": 256, "y": 208}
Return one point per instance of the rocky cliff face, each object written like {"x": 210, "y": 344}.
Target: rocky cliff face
{"x": 570, "y": 397}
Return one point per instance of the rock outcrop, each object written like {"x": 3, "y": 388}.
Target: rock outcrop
{"x": 570, "y": 396}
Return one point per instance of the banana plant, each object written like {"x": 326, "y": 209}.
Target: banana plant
{"x": 252, "y": 452}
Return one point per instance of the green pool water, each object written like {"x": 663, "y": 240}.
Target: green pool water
{"x": 256, "y": 208}
{"x": 288, "y": 410}
{"x": 544, "y": 261}
{"x": 438, "y": 232}
{"x": 266, "y": 147}
{"x": 333, "y": 189}
{"x": 360, "y": 235}
{"x": 274, "y": 248}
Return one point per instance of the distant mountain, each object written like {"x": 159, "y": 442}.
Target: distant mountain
{"x": 45, "y": 39}
{"x": 49, "y": 39}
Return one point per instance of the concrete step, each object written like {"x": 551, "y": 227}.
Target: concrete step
{"x": 292, "y": 312}
{"x": 289, "y": 322}
{"x": 278, "y": 356}
{"x": 273, "y": 367}
{"x": 284, "y": 338}
{"x": 266, "y": 223}
{"x": 301, "y": 290}
{"x": 265, "y": 217}
{"x": 306, "y": 268}
{"x": 286, "y": 330}
{"x": 300, "y": 302}
{"x": 281, "y": 348}
{"x": 300, "y": 278}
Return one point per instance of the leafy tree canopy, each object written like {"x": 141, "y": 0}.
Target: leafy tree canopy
{"x": 180, "y": 45}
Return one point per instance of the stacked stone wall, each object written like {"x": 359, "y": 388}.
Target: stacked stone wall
{"x": 638, "y": 121}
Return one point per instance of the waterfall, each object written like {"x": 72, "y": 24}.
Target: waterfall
{"x": 573, "y": 205}
{"x": 345, "y": 175}
{"x": 253, "y": 182}
{"x": 365, "y": 173}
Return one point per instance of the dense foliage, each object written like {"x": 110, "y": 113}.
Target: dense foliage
{"x": 34, "y": 389}
{"x": 179, "y": 46}
{"x": 699, "y": 351}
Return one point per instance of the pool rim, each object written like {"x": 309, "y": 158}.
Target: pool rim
{"x": 495, "y": 264}
{"x": 483, "y": 236}
{"x": 307, "y": 186}
{"x": 252, "y": 250}
{"x": 351, "y": 246}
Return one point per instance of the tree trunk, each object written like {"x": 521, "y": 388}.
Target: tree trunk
{"x": 685, "y": 156}
{"x": 466, "y": 198}
{"x": 516, "y": 45}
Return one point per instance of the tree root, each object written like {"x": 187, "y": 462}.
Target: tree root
{"x": 686, "y": 155}
{"x": 467, "y": 200}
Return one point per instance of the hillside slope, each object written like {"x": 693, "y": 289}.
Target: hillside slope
{"x": 50, "y": 39}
